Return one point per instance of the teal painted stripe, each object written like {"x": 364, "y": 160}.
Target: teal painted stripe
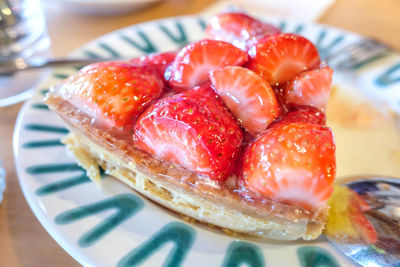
{"x": 40, "y": 106}
{"x": 299, "y": 28}
{"x": 241, "y": 253}
{"x": 315, "y": 256}
{"x": 325, "y": 50}
{"x": 182, "y": 236}
{"x": 179, "y": 38}
{"x": 109, "y": 49}
{"x": 41, "y": 144}
{"x": 62, "y": 185}
{"x": 91, "y": 54}
{"x": 202, "y": 23}
{"x": 389, "y": 77}
{"x": 44, "y": 91}
{"x": 124, "y": 205}
{"x": 60, "y": 76}
{"x": 45, "y": 128}
{"x": 282, "y": 25}
{"x": 146, "y": 45}
{"x": 51, "y": 168}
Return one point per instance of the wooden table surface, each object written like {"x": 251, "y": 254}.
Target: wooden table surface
{"x": 23, "y": 241}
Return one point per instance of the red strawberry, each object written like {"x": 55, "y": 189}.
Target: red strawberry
{"x": 158, "y": 61}
{"x": 249, "y": 97}
{"x": 305, "y": 114}
{"x": 114, "y": 93}
{"x": 194, "y": 61}
{"x": 362, "y": 225}
{"x": 292, "y": 163}
{"x": 310, "y": 88}
{"x": 193, "y": 129}
{"x": 278, "y": 58}
{"x": 238, "y": 29}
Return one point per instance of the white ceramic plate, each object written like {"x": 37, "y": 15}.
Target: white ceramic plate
{"x": 114, "y": 226}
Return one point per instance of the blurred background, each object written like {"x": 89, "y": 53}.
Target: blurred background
{"x": 72, "y": 23}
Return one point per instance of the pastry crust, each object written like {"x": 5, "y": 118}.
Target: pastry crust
{"x": 177, "y": 188}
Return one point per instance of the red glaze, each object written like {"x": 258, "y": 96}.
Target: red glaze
{"x": 279, "y": 58}
{"x": 249, "y": 97}
{"x": 157, "y": 61}
{"x": 193, "y": 129}
{"x": 238, "y": 29}
{"x": 194, "y": 61}
{"x": 292, "y": 163}
{"x": 113, "y": 93}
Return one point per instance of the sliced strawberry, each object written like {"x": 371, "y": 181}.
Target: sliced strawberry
{"x": 278, "y": 58}
{"x": 238, "y": 29}
{"x": 363, "y": 226}
{"x": 292, "y": 163}
{"x": 157, "y": 61}
{"x": 113, "y": 93}
{"x": 194, "y": 61}
{"x": 249, "y": 97}
{"x": 311, "y": 88}
{"x": 305, "y": 114}
{"x": 193, "y": 129}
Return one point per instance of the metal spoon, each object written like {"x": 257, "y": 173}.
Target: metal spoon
{"x": 364, "y": 222}
{"x": 9, "y": 67}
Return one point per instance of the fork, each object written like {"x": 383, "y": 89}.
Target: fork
{"x": 350, "y": 56}
{"x": 356, "y": 54}
{"x": 10, "y": 67}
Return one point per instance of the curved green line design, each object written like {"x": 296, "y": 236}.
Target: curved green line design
{"x": 146, "y": 46}
{"x": 282, "y": 26}
{"x": 91, "y": 54}
{"x": 50, "y": 168}
{"x": 60, "y": 76}
{"x": 202, "y": 23}
{"x": 388, "y": 78}
{"x": 41, "y": 144}
{"x": 179, "y": 38}
{"x": 40, "y": 106}
{"x": 240, "y": 253}
{"x": 324, "y": 50}
{"x": 126, "y": 205}
{"x": 299, "y": 28}
{"x": 61, "y": 185}
{"x": 182, "y": 236}
{"x": 44, "y": 91}
{"x": 109, "y": 49}
{"x": 312, "y": 256}
{"x": 45, "y": 128}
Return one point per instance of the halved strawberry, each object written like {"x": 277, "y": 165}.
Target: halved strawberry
{"x": 249, "y": 97}
{"x": 113, "y": 93}
{"x": 238, "y": 29}
{"x": 363, "y": 226}
{"x": 194, "y": 61}
{"x": 311, "y": 88}
{"x": 292, "y": 163}
{"x": 305, "y": 114}
{"x": 193, "y": 129}
{"x": 157, "y": 61}
{"x": 278, "y": 58}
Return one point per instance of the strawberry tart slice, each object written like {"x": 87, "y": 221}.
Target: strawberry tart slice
{"x": 230, "y": 130}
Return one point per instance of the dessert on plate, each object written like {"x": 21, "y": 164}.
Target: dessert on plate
{"x": 230, "y": 130}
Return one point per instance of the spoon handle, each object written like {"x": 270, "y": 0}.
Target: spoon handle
{"x": 10, "y": 67}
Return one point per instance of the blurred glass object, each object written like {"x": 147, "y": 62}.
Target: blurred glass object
{"x": 22, "y": 34}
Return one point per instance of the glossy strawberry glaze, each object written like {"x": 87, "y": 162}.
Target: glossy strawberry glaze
{"x": 231, "y": 193}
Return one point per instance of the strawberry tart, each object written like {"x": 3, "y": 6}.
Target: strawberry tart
{"x": 230, "y": 130}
